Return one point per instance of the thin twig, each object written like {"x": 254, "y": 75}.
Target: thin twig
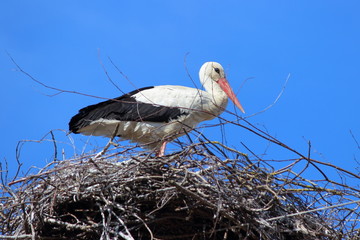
{"x": 313, "y": 210}
{"x": 275, "y": 101}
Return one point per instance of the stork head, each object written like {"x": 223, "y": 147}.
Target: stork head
{"x": 212, "y": 73}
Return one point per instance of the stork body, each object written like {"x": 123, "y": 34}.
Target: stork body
{"x": 153, "y": 116}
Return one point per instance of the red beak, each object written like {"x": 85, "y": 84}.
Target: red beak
{"x": 224, "y": 84}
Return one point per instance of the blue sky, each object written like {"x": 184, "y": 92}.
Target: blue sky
{"x": 65, "y": 44}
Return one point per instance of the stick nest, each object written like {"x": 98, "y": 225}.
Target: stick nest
{"x": 206, "y": 191}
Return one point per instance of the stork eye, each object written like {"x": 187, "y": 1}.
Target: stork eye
{"x": 217, "y": 70}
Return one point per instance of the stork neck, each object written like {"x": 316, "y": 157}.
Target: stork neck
{"x": 218, "y": 96}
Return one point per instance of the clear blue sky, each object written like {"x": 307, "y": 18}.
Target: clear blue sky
{"x": 58, "y": 43}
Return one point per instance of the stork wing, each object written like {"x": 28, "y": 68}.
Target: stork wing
{"x": 153, "y": 104}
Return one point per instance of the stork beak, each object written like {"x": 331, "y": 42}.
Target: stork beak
{"x": 224, "y": 84}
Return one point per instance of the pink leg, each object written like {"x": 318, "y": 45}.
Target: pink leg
{"x": 161, "y": 151}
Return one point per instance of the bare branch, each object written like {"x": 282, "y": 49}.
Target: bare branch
{"x": 275, "y": 101}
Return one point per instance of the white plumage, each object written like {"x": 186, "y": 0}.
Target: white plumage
{"x": 153, "y": 116}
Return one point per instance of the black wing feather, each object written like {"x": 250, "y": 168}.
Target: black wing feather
{"x": 124, "y": 108}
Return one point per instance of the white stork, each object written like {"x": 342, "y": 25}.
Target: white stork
{"x": 152, "y": 116}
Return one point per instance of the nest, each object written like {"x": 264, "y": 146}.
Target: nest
{"x": 206, "y": 191}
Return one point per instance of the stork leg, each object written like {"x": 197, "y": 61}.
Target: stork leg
{"x": 161, "y": 151}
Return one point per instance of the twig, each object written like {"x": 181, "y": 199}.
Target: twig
{"x": 110, "y": 142}
{"x": 55, "y": 146}
{"x": 23, "y": 236}
{"x": 107, "y": 74}
{"x": 353, "y": 136}
{"x": 59, "y": 91}
{"x": 313, "y": 210}
{"x": 275, "y": 101}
